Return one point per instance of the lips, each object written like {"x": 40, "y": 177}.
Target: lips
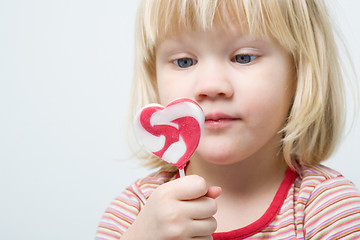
{"x": 219, "y": 120}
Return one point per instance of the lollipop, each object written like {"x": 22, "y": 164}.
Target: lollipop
{"x": 173, "y": 132}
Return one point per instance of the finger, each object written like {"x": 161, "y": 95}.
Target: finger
{"x": 188, "y": 187}
{"x": 201, "y": 208}
{"x": 214, "y": 192}
{"x": 203, "y": 227}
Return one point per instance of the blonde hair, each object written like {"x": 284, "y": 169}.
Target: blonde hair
{"x": 302, "y": 27}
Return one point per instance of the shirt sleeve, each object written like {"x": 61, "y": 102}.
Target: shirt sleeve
{"x": 333, "y": 211}
{"x": 121, "y": 213}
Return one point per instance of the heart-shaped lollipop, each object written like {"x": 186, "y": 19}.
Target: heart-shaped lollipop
{"x": 173, "y": 132}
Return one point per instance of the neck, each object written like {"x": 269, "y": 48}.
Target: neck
{"x": 241, "y": 177}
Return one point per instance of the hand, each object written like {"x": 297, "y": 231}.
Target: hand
{"x": 180, "y": 209}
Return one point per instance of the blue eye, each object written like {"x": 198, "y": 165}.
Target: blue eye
{"x": 244, "y": 58}
{"x": 185, "y": 62}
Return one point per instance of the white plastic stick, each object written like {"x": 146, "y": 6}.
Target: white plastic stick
{"x": 182, "y": 172}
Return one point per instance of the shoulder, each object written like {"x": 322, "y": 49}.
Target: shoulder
{"x": 318, "y": 172}
{"x": 319, "y": 182}
{"x": 325, "y": 194}
{"x": 320, "y": 176}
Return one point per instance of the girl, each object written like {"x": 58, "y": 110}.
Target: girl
{"x": 267, "y": 76}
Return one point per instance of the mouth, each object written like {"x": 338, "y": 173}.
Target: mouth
{"x": 219, "y": 120}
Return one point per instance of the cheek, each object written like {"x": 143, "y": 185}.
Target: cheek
{"x": 269, "y": 100}
{"x": 172, "y": 86}
{"x": 165, "y": 87}
{"x": 169, "y": 92}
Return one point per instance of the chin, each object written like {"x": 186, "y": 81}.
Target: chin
{"x": 220, "y": 157}
{"x": 218, "y": 150}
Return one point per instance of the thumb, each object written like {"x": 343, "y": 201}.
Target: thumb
{"x": 213, "y": 192}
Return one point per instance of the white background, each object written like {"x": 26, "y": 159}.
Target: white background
{"x": 65, "y": 71}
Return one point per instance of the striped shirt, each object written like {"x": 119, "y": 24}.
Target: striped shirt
{"x": 316, "y": 203}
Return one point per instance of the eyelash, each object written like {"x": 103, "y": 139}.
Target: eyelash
{"x": 189, "y": 62}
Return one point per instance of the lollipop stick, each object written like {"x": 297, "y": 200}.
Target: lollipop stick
{"x": 182, "y": 172}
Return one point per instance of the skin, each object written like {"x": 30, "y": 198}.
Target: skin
{"x": 181, "y": 209}
{"x": 245, "y": 86}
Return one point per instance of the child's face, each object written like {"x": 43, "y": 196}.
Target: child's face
{"x": 244, "y": 85}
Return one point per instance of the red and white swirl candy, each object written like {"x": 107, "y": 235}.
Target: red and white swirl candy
{"x": 173, "y": 132}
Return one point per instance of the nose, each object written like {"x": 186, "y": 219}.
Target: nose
{"x": 212, "y": 83}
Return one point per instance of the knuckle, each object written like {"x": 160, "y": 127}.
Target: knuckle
{"x": 174, "y": 232}
{"x": 171, "y": 223}
{"x": 200, "y": 183}
{"x": 213, "y": 224}
{"x": 214, "y": 205}
{"x": 162, "y": 191}
{"x": 210, "y": 205}
{"x": 172, "y": 215}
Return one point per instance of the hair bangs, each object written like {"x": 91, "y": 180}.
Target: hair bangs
{"x": 164, "y": 18}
